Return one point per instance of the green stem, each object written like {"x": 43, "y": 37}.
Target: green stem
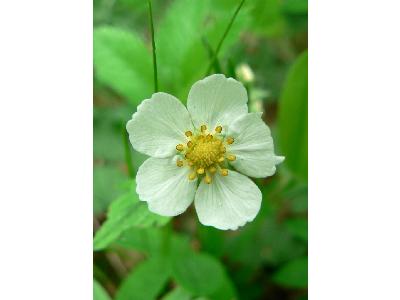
{"x": 166, "y": 238}
{"x": 153, "y": 43}
{"x": 128, "y": 155}
{"x": 223, "y": 37}
{"x": 210, "y": 51}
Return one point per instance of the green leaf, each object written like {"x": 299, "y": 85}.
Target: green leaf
{"x": 267, "y": 17}
{"x": 99, "y": 293}
{"x": 107, "y": 143}
{"x": 275, "y": 245}
{"x": 212, "y": 240}
{"x": 111, "y": 114}
{"x": 293, "y": 274}
{"x": 146, "y": 240}
{"x": 226, "y": 290}
{"x": 106, "y": 186}
{"x": 124, "y": 213}
{"x": 180, "y": 43}
{"x": 298, "y": 227}
{"x": 123, "y": 62}
{"x": 292, "y": 120}
{"x": 178, "y": 294}
{"x": 151, "y": 241}
{"x": 295, "y": 6}
{"x": 278, "y": 244}
{"x": 200, "y": 274}
{"x": 145, "y": 282}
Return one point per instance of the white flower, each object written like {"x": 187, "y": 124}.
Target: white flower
{"x": 192, "y": 151}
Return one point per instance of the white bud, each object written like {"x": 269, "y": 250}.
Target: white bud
{"x": 244, "y": 73}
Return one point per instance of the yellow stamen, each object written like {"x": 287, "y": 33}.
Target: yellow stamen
{"x": 200, "y": 171}
{"x": 231, "y": 157}
{"x": 204, "y": 153}
{"x": 212, "y": 170}
{"x": 230, "y": 140}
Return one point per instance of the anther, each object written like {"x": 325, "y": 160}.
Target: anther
{"x": 223, "y": 149}
{"x": 179, "y": 163}
{"x": 221, "y": 159}
{"x": 218, "y": 129}
{"x": 209, "y": 137}
{"x": 188, "y": 133}
{"x": 230, "y": 140}
{"x": 200, "y": 171}
{"x": 192, "y": 176}
{"x": 207, "y": 179}
{"x": 189, "y": 144}
{"x": 203, "y": 128}
{"x": 231, "y": 157}
{"x": 212, "y": 170}
{"x": 224, "y": 172}
{"x": 179, "y": 147}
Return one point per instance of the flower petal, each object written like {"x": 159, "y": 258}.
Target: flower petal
{"x": 159, "y": 125}
{"x": 228, "y": 202}
{"x": 253, "y": 147}
{"x": 216, "y": 100}
{"x": 165, "y": 186}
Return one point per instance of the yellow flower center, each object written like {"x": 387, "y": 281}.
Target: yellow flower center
{"x": 205, "y": 153}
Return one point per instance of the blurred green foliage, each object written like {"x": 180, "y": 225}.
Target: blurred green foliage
{"x": 139, "y": 255}
{"x": 146, "y": 281}
{"x": 125, "y": 212}
{"x": 293, "y": 107}
{"x": 99, "y": 292}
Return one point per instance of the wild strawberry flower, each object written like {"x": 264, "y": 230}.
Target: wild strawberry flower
{"x": 194, "y": 153}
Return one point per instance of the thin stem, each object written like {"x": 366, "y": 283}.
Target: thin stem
{"x": 166, "y": 237}
{"x": 128, "y": 155}
{"x": 210, "y": 51}
{"x": 153, "y": 43}
{"x": 224, "y": 36}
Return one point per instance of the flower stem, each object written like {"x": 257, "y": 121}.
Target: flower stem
{"x": 223, "y": 37}
{"x": 153, "y": 43}
{"x": 210, "y": 51}
{"x": 128, "y": 155}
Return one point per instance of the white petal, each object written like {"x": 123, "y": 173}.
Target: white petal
{"x": 159, "y": 125}
{"x": 165, "y": 186}
{"x": 253, "y": 147}
{"x": 216, "y": 100}
{"x": 228, "y": 202}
